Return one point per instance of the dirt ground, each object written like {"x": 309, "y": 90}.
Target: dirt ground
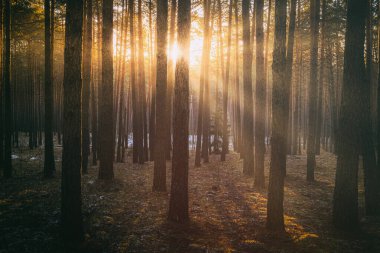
{"x": 227, "y": 213}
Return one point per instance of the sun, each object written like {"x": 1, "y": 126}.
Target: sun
{"x": 173, "y": 52}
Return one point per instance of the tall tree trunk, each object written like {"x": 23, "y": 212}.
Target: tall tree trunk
{"x": 144, "y": 136}
{"x": 225, "y": 86}
{"x": 159, "y": 178}
{"x": 106, "y": 120}
{"x": 202, "y": 85}
{"x": 248, "y": 163}
{"x": 137, "y": 145}
{"x": 267, "y": 84}
{"x": 1, "y": 87}
{"x": 49, "y": 164}
{"x": 237, "y": 82}
{"x": 179, "y": 200}
{"x": 170, "y": 88}
{"x": 371, "y": 175}
{"x": 260, "y": 98}
{"x": 345, "y": 203}
{"x": 280, "y": 108}
{"x": 7, "y": 93}
{"x": 87, "y": 60}
{"x": 289, "y": 65}
{"x": 71, "y": 210}
{"x": 313, "y": 89}
{"x": 152, "y": 119}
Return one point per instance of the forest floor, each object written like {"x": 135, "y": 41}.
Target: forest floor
{"x": 227, "y": 213}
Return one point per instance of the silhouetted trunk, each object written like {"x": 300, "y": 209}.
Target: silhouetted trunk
{"x": 237, "y": 82}
{"x": 87, "y": 60}
{"x": 7, "y": 92}
{"x": 1, "y": 88}
{"x": 152, "y": 118}
{"x": 225, "y": 86}
{"x": 202, "y": 85}
{"x": 71, "y": 210}
{"x": 313, "y": 89}
{"x": 248, "y": 163}
{"x": 179, "y": 199}
{"x": 260, "y": 98}
{"x": 159, "y": 178}
{"x": 280, "y": 109}
{"x": 106, "y": 121}
{"x": 371, "y": 175}
{"x": 144, "y": 136}
{"x": 289, "y": 67}
{"x": 170, "y": 88}
{"x": 345, "y": 204}
{"x": 267, "y": 84}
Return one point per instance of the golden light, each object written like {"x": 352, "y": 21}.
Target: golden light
{"x": 173, "y": 53}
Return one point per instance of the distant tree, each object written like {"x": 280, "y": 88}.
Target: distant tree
{"x": 179, "y": 199}
{"x": 280, "y": 108}
{"x": 71, "y": 210}
{"x": 7, "y": 92}
{"x": 106, "y": 135}
{"x": 345, "y": 203}
{"x": 49, "y": 164}
{"x": 87, "y": 60}
{"x": 260, "y": 98}
{"x": 313, "y": 89}
{"x": 248, "y": 163}
{"x": 159, "y": 178}
{"x": 225, "y": 86}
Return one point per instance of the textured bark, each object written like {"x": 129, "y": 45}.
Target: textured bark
{"x": 345, "y": 203}
{"x": 248, "y": 162}
{"x": 106, "y": 120}
{"x": 87, "y": 59}
{"x": 71, "y": 210}
{"x": 159, "y": 178}
{"x": 179, "y": 199}
{"x": 7, "y": 92}
{"x": 280, "y": 108}
{"x": 260, "y": 98}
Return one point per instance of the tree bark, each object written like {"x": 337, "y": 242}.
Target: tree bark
{"x": 159, "y": 178}
{"x": 71, "y": 210}
{"x": 106, "y": 120}
{"x": 179, "y": 199}
{"x": 280, "y": 108}
{"x": 248, "y": 162}
{"x": 345, "y": 202}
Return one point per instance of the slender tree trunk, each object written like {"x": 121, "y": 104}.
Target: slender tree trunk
{"x": 248, "y": 163}
{"x": 260, "y": 98}
{"x": 313, "y": 89}
{"x": 225, "y": 86}
{"x": 106, "y": 135}
{"x": 87, "y": 60}
{"x": 267, "y": 84}
{"x": 159, "y": 178}
{"x": 345, "y": 203}
{"x": 152, "y": 119}
{"x": 141, "y": 71}
{"x": 7, "y": 93}
{"x": 170, "y": 88}
{"x": 280, "y": 108}
{"x": 1, "y": 88}
{"x": 237, "y": 81}
{"x": 179, "y": 200}
{"x": 71, "y": 210}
